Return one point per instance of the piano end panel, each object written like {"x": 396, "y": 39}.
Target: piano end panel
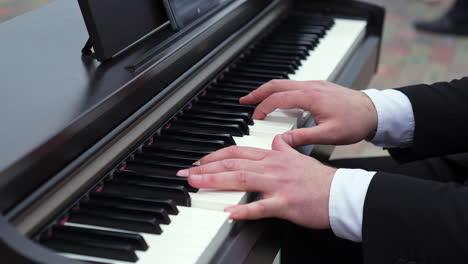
{"x": 256, "y": 241}
{"x": 363, "y": 64}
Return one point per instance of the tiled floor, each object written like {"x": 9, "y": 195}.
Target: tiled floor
{"x": 408, "y": 57}
{"x": 411, "y": 57}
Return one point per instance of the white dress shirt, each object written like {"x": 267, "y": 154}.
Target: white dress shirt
{"x": 349, "y": 186}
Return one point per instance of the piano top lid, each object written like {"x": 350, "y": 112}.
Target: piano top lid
{"x": 46, "y": 82}
{"x": 52, "y": 96}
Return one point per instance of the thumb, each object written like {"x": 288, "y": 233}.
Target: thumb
{"x": 319, "y": 134}
{"x": 283, "y": 142}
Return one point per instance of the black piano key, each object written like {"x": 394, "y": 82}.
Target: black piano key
{"x": 166, "y": 204}
{"x": 235, "y": 87}
{"x": 163, "y": 158}
{"x": 93, "y": 248}
{"x": 209, "y": 143}
{"x": 241, "y": 123}
{"x": 283, "y": 52}
{"x": 247, "y": 69}
{"x": 314, "y": 30}
{"x": 160, "y": 214}
{"x": 290, "y": 42}
{"x": 223, "y": 108}
{"x": 178, "y": 193}
{"x": 270, "y": 66}
{"x": 229, "y": 91}
{"x": 191, "y": 144}
{"x": 167, "y": 164}
{"x": 234, "y": 107}
{"x": 228, "y": 141}
{"x": 155, "y": 167}
{"x": 251, "y": 76}
{"x": 150, "y": 166}
{"x": 295, "y": 41}
{"x": 259, "y": 54}
{"x": 190, "y": 159}
{"x": 293, "y": 60}
{"x": 116, "y": 222}
{"x": 79, "y": 233}
{"x": 192, "y": 153}
{"x": 251, "y": 83}
{"x": 222, "y": 96}
{"x": 124, "y": 211}
{"x": 213, "y": 127}
{"x": 147, "y": 177}
{"x": 168, "y": 169}
{"x": 307, "y": 19}
{"x": 301, "y": 36}
{"x": 272, "y": 60}
{"x": 303, "y": 49}
{"x": 90, "y": 262}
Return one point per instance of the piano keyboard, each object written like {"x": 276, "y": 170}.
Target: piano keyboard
{"x": 141, "y": 212}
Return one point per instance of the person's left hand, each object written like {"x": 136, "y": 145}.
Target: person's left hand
{"x": 294, "y": 187}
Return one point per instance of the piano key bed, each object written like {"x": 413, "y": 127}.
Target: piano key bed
{"x": 142, "y": 211}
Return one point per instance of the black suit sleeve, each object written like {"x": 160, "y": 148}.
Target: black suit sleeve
{"x": 407, "y": 219}
{"x": 441, "y": 120}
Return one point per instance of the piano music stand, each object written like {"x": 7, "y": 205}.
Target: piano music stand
{"x": 115, "y": 26}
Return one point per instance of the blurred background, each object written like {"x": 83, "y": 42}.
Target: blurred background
{"x": 407, "y": 57}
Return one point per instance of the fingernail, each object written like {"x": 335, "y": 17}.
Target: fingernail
{"x": 195, "y": 179}
{"x": 196, "y": 163}
{"x": 183, "y": 173}
{"x": 287, "y": 138}
{"x": 233, "y": 211}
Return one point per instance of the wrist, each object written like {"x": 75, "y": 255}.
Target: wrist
{"x": 330, "y": 174}
{"x": 371, "y": 117}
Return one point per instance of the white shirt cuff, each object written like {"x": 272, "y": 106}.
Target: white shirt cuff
{"x": 395, "y": 127}
{"x": 346, "y": 205}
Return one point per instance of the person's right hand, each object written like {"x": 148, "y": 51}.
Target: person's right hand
{"x": 343, "y": 116}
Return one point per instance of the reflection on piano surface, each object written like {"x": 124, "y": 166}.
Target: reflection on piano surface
{"x": 97, "y": 183}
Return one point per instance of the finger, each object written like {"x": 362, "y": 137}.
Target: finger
{"x": 231, "y": 180}
{"x": 235, "y": 152}
{"x": 320, "y": 134}
{"x": 222, "y": 166}
{"x": 282, "y": 100}
{"x": 260, "y": 209}
{"x": 283, "y": 143}
{"x": 268, "y": 89}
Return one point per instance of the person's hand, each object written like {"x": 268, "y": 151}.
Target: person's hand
{"x": 343, "y": 116}
{"x": 293, "y": 186}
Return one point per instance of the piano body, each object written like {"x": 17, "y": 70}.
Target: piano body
{"x": 88, "y": 149}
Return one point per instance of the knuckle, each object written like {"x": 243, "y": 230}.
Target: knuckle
{"x": 233, "y": 150}
{"x": 261, "y": 209}
{"x": 275, "y": 82}
{"x": 228, "y": 164}
{"x": 242, "y": 178}
{"x": 198, "y": 170}
{"x": 322, "y": 83}
{"x": 277, "y": 97}
{"x": 209, "y": 179}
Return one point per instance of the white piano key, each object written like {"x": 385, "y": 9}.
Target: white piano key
{"x": 255, "y": 141}
{"x": 216, "y": 199}
{"x": 334, "y": 49}
{"x": 194, "y": 234}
